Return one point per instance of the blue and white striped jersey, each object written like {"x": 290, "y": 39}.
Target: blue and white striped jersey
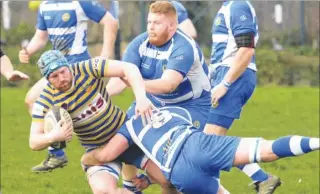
{"x": 181, "y": 53}
{"x": 163, "y": 139}
{"x": 66, "y": 23}
{"x": 233, "y": 18}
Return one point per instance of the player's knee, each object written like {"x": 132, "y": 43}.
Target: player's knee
{"x": 266, "y": 152}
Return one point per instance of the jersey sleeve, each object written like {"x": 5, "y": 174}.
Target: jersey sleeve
{"x": 181, "y": 59}
{"x": 41, "y": 25}
{"x": 41, "y": 106}
{"x": 114, "y": 9}
{"x": 93, "y": 10}
{"x": 132, "y": 52}
{"x": 181, "y": 11}
{"x": 95, "y": 67}
{"x": 241, "y": 19}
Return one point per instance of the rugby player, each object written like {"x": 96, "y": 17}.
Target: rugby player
{"x": 233, "y": 76}
{"x": 64, "y": 23}
{"x": 79, "y": 89}
{"x": 188, "y": 158}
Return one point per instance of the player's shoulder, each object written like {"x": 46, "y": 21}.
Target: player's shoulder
{"x": 240, "y": 5}
{"x": 183, "y": 41}
{"x": 57, "y": 5}
{"x": 179, "y": 7}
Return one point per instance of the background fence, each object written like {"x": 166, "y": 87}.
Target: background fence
{"x": 297, "y": 35}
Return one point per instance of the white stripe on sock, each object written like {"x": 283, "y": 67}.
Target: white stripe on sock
{"x": 295, "y": 145}
{"x": 314, "y": 143}
{"x": 128, "y": 183}
{"x": 250, "y": 169}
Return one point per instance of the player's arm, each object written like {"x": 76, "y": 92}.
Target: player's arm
{"x": 244, "y": 37}
{"x": 114, "y": 68}
{"x": 38, "y": 140}
{"x": 168, "y": 82}
{"x": 38, "y": 41}
{"x": 131, "y": 73}
{"x": 109, "y": 152}
{"x": 110, "y": 30}
{"x": 187, "y": 27}
{"x": 115, "y": 85}
{"x": 178, "y": 66}
{"x": 8, "y": 71}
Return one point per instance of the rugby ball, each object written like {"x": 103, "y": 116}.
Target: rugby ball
{"x": 54, "y": 115}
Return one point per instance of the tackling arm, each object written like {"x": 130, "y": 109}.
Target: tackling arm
{"x": 109, "y": 152}
{"x": 168, "y": 82}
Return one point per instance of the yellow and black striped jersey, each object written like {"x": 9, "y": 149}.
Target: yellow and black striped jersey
{"x": 95, "y": 118}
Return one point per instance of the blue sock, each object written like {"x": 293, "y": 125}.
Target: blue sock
{"x": 294, "y": 146}
{"x": 129, "y": 185}
{"x": 254, "y": 172}
{"x": 57, "y": 152}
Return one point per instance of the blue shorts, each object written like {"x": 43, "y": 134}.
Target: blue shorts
{"x": 230, "y": 105}
{"x": 199, "y": 113}
{"x": 196, "y": 169}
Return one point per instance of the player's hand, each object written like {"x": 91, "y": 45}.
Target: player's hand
{"x": 24, "y": 56}
{"x": 16, "y": 76}
{"x": 141, "y": 182}
{"x": 216, "y": 93}
{"x": 62, "y": 134}
{"x": 144, "y": 109}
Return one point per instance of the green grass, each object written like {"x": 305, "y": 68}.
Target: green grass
{"x": 272, "y": 112}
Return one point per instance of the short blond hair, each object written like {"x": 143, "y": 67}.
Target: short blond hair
{"x": 163, "y": 7}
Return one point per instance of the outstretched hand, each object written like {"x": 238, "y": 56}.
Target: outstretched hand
{"x": 16, "y": 76}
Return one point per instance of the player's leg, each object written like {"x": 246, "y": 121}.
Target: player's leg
{"x": 103, "y": 179}
{"x": 229, "y": 108}
{"x": 56, "y": 157}
{"x": 190, "y": 173}
{"x": 129, "y": 172}
{"x": 252, "y": 150}
{"x": 267, "y": 151}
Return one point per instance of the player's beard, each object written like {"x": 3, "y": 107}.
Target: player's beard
{"x": 159, "y": 39}
{"x": 64, "y": 86}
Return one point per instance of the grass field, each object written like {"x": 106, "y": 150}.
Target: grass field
{"x": 272, "y": 112}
